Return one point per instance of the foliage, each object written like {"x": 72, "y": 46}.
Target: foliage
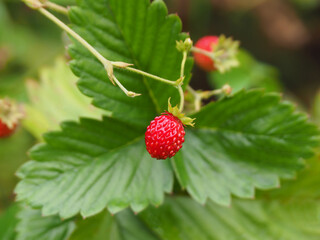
{"x": 93, "y": 178}
{"x": 43, "y": 228}
{"x": 150, "y": 44}
{"x": 54, "y": 99}
{"x": 8, "y": 223}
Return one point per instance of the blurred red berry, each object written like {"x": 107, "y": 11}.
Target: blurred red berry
{"x": 5, "y": 131}
{"x": 203, "y": 61}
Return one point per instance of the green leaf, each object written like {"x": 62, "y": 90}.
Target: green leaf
{"x": 249, "y": 74}
{"x": 135, "y": 32}
{"x": 243, "y": 142}
{"x": 33, "y": 226}
{"x": 93, "y": 165}
{"x": 122, "y": 226}
{"x": 8, "y": 223}
{"x": 182, "y": 218}
{"x": 304, "y": 187}
{"x": 54, "y": 99}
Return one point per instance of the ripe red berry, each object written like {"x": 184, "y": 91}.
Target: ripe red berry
{"x": 164, "y": 136}
{"x": 5, "y": 131}
{"x": 203, "y": 61}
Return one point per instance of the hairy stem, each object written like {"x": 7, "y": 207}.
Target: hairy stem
{"x": 75, "y": 35}
{"x": 128, "y": 93}
{"x": 181, "y": 98}
{"x": 56, "y": 7}
{"x": 183, "y": 63}
{"x": 160, "y": 79}
{"x": 204, "y": 52}
{"x": 180, "y": 81}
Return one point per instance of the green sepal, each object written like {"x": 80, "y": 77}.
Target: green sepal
{"x": 10, "y": 113}
{"x": 177, "y": 113}
{"x": 224, "y": 53}
{"x": 185, "y": 45}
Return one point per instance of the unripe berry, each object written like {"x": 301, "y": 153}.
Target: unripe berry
{"x": 164, "y": 136}
{"x": 203, "y": 61}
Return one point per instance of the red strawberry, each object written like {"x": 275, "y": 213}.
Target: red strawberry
{"x": 164, "y": 136}
{"x": 203, "y": 61}
{"x": 5, "y": 131}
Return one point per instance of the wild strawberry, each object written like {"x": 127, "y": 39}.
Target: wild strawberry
{"x": 164, "y": 136}
{"x": 216, "y": 53}
{"x": 10, "y": 114}
{"x": 205, "y": 43}
{"x": 5, "y": 131}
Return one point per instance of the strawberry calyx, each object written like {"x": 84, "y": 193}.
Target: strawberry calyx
{"x": 224, "y": 53}
{"x": 181, "y": 116}
{"x": 10, "y": 113}
{"x": 185, "y": 45}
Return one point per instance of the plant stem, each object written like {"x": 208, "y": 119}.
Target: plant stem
{"x": 181, "y": 93}
{"x": 197, "y": 98}
{"x": 208, "y": 94}
{"x": 75, "y": 35}
{"x": 183, "y": 63}
{"x": 204, "y": 52}
{"x": 128, "y": 93}
{"x": 173, "y": 83}
{"x": 181, "y": 98}
{"x": 108, "y": 65}
{"x": 56, "y": 7}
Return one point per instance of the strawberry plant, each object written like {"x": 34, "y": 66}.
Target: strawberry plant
{"x": 99, "y": 176}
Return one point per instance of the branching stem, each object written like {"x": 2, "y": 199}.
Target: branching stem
{"x": 198, "y": 96}
{"x": 108, "y": 65}
{"x": 173, "y": 83}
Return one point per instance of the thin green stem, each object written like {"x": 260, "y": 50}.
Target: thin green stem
{"x": 192, "y": 91}
{"x": 197, "y": 98}
{"x": 208, "y": 94}
{"x": 106, "y": 63}
{"x": 75, "y": 35}
{"x": 173, "y": 83}
{"x": 128, "y": 93}
{"x": 181, "y": 93}
{"x": 181, "y": 98}
{"x": 183, "y": 63}
{"x": 204, "y": 52}
{"x": 55, "y": 7}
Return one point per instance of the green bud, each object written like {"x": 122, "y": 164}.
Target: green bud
{"x": 185, "y": 45}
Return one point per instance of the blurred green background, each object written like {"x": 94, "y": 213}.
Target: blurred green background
{"x": 280, "y": 42}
